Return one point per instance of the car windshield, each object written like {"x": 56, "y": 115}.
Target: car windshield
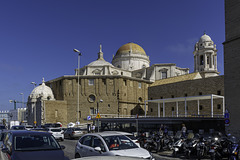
{"x": 35, "y": 142}
{"x": 119, "y": 142}
{"x": 56, "y": 130}
{"x": 18, "y": 127}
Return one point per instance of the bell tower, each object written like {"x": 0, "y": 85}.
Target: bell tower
{"x": 205, "y": 57}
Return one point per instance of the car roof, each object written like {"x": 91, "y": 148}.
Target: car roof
{"x": 120, "y": 132}
{"x": 26, "y": 132}
{"x": 103, "y": 134}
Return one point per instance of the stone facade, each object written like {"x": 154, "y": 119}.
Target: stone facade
{"x": 187, "y": 88}
{"x": 231, "y": 63}
{"x": 122, "y": 96}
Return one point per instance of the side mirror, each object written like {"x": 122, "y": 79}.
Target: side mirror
{"x": 62, "y": 147}
{"x": 98, "y": 149}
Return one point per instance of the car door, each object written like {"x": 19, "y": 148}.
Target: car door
{"x": 97, "y": 142}
{"x": 7, "y": 144}
{"x": 86, "y": 146}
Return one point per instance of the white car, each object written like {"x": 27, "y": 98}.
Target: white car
{"x": 56, "y": 132}
{"x": 109, "y": 144}
{"x": 129, "y": 135}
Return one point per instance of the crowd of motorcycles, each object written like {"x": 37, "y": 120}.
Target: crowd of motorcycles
{"x": 198, "y": 146}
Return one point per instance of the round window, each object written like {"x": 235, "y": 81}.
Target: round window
{"x": 91, "y": 98}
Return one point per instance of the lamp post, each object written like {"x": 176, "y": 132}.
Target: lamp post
{"x": 34, "y": 84}
{"x": 98, "y": 112}
{"x": 79, "y": 54}
{"x": 22, "y": 99}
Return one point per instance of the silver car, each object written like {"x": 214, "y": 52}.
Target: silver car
{"x": 109, "y": 144}
{"x": 73, "y": 133}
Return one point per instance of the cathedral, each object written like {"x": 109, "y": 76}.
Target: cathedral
{"x": 116, "y": 89}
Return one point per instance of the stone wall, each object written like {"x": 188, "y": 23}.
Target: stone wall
{"x": 231, "y": 63}
{"x": 205, "y": 86}
{"x": 129, "y": 101}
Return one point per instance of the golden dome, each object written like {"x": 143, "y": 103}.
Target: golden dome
{"x": 131, "y": 48}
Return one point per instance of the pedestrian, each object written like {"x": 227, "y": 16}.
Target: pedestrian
{"x": 93, "y": 128}
{"x": 165, "y": 130}
{"x": 184, "y": 130}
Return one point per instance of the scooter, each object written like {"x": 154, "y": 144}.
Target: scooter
{"x": 233, "y": 148}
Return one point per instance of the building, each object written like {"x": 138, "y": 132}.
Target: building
{"x": 199, "y": 94}
{"x": 4, "y": 115}
{"x": 114, "y": 90}
{"x": 18, "y": 114}
{"x": 231, "y": 63}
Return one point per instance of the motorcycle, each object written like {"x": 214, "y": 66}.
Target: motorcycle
{"x": 178, "y": 146}
{"x": 202, "y": 147}
{"x": 218, "y": 148}
{"x": 152, "y": 143}
{"x": 190, "y": 145}
{"x": 233, "y": 148}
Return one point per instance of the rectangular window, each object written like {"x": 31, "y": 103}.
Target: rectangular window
{"x": 125, "y": 82}
{"x": 91, "y": 82}
{"x": 104, "y": 81}
{"x": 200, "y": 93}
{"x": 151, "y": 110}
{"x": 219, "y": 92}
{"x": 219, "y": 106}
{"x": 200, "y": 107}
{"x": 172, "y": 96}
{"x": 56, "y": 113}
{"x": 185, "y": 95}
{"x": 139, "y": 85}
{"x": 91, "y": 110}
{"x": 164, "y": 75}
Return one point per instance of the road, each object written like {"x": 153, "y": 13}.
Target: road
{"x": 70, "y": 149}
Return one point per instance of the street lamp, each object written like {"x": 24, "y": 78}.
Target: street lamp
{"x": 98, "y": 112}
{"x": 34, "y": 84}
{"x": 79, "y": 54}
{"x": 22, "y": 99}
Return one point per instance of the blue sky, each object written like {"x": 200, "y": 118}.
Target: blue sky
{"x": 37, "y": 37}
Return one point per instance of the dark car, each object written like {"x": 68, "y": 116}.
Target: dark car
{"x": 18, "y": 128}
{"x": 29, "y": 145}
{"x": 2, "y": 127}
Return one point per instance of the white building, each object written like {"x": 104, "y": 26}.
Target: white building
{"x": 205, "y": 57}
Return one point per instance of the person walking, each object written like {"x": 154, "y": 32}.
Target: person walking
{"x": 93, "y": 128}
{"x": 184, "y": 130}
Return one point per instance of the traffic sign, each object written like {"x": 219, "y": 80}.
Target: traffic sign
{"x": 88, "y": 118}
{"x": 227, "y": 121}
{"x": 226, "y": 115}
{"x": 98, "y": 116}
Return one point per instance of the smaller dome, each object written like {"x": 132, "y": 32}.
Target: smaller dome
{"x": 42, "y": 91}
{"x": 205, "y": 38}
{"x": 100, "y": 61}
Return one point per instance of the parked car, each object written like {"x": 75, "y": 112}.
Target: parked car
{"x": 18, "y": 127}
{"x": 2, "y": 127}
{"x": 109, "y": 144}
{"x": 129, "y": 135}
{"x": 73, "y": 133}
{"x": 56, "y": 132}
{"x": 29, "y": 145}
{"x": 52, "y": 125}
{"x": 28, "y": 127}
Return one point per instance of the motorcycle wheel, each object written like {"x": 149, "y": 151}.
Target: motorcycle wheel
{"x": 199, "y": 155}
{"x": 174, "y": 154}
{"x": 188, "y": 155}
